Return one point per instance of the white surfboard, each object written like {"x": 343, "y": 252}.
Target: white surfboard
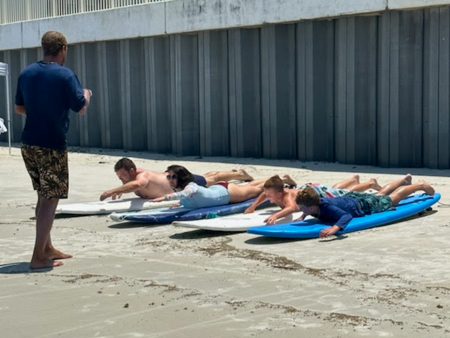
{"x": 107, "y": 207}
{"x": 239, "y": 222}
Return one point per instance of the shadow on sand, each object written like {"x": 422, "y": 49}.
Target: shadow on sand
{"x": 20, "y": 267}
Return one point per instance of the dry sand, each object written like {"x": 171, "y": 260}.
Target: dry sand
{"x": 131, "y": 280}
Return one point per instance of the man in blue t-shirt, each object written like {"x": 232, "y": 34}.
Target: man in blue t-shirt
{"x": 46, "y": 91}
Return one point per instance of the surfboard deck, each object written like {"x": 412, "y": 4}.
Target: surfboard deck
{"x": 410, "y": 206}
{"x": 107, "y": 207}
{"x": 238, "y": 222}
{"x": 169, "y": 215}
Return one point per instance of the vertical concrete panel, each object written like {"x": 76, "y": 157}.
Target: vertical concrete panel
{"x": 245, "y": 92}
{"x": 356, "y": 48}
{"x": 185, "y": 97}
{"x": 76, "y": 60}
{"x": 383, "y": 90}
{"x": 91, "y": 80}
{"x": 431, "y": 88}
{"x": 101, "y": 98}
{"x": 405, "y": 89}
{"x": 278, "y": 91}
{"x": 138, "y": 111}
{"x": 315, "y": 93}
{"x": 125, "y": 93}
{"x": 213, "y": 84}
{"x": 17, "y": 61}
{"x": 158, "y": 94}
{"x": 444, "y": 92}
{"x": 114, "y": 95}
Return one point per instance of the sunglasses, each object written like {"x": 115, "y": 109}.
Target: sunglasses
{"x": 172, "y": 177}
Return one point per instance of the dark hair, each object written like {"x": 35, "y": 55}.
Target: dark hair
{"x": 52, "y": 42}
{"x": 274, "y": 183}
{"x": 124, "y": 163}
{"x": 308, "y": 197}
{"x": 184, "y": 176}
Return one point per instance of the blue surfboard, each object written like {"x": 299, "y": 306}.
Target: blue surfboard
{"x": 311, "y": 228}
{"x": 168, "y": 215}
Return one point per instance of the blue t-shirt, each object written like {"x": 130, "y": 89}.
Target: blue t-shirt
{"x": 339, "y": 210}
{"x": 48, "y": 91}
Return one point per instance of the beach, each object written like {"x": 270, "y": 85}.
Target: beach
{"x": 132, "y": 280}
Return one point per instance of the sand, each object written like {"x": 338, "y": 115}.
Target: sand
{"x": 132, "y": 280}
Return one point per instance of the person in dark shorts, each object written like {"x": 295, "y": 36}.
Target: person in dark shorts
{"x": 46, "y": 90}
{"x": 341, "y": 210}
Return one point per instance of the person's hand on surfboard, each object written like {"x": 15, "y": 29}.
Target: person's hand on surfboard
{"x": 329, "y": 231}
{"x": 270, "y": 220}
{"x": 175, "y": 205}
{"x": 158, "y": 199}
{"x": 249, "y": 210}
{"x": 108, "y": 193}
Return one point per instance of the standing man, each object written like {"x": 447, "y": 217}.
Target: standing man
{"x": 46, "y": 91}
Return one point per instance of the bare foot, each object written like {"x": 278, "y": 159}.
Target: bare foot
{"x": 356, "y": 178}
{"x": 374, "y": 184}
{"x": 44, "y": 263}
{"x": 408, "y": 179}
{"x": 245, "y": 176}
{"x": 426, "y": 187}
{"x": 288, "y": 180}
{"x": 56, "y": 254}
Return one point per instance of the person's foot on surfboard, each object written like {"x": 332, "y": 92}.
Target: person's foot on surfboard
{"x": 426, "y": 187}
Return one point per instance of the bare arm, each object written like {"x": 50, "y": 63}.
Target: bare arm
{"x": 128, "y": 187}
{"x": 87, "y": 96}
{"x": 20, "y": 110}
{"x": 289, "y": 208}
{"x": 261, "y": 198}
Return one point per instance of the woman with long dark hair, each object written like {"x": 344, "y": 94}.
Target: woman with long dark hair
{"x": 191, "y": 195}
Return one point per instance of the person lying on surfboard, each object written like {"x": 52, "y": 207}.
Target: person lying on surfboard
{"x": 341, "y": 210}
{"x": 275, "y": 191}
{"x": 150, "y": 184}
{"x": 192, "y": 195}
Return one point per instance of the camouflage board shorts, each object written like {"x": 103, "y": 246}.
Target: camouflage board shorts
{"x": 370, "y": 203}
{"x": 48, "y": 169}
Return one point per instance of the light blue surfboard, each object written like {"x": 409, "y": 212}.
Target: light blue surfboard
{"x": 410, "y": 206}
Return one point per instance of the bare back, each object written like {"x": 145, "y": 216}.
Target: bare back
{"x": 157, "y": 185}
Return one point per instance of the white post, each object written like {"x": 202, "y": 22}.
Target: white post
{"x": 4, "y": 71}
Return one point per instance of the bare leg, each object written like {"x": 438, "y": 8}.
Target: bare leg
{"x": 240, "y": 193}
{"x": 213, "y": 177}
{"x": 407, "y": 190}
{"x": 370, "y": 184}
{"x": 45, "y": 214}
{"x": 346, "y": 184}
{"x": 390, "y": 187}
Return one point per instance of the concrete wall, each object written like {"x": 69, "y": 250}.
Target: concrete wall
{"x": 182, "y": 16}
{"x": 359, "y": 89}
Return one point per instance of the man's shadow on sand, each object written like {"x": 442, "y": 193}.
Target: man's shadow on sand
{"x": 20, "y": 267}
